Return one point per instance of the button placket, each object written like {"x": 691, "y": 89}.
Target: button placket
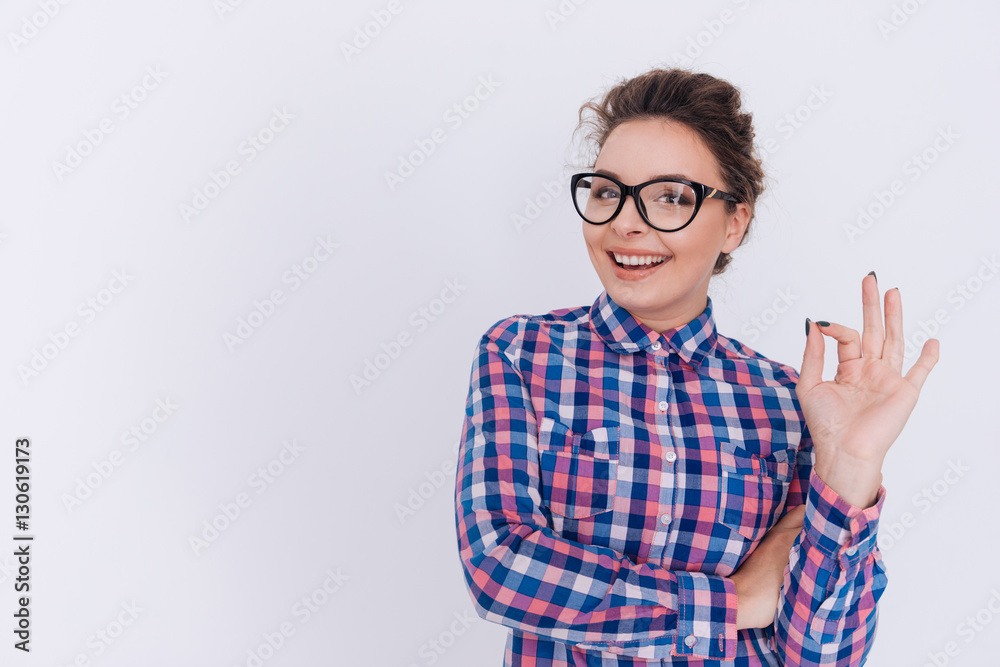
{"x": 660, "y": 379}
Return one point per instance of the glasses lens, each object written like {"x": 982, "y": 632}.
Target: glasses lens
{"x": 668, "y": 205}
{"x": 596, "y": 198}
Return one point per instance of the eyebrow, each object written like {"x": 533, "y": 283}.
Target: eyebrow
{"x": 608, "y": 172}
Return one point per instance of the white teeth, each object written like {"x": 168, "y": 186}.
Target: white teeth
{"x": 635, "y": 260}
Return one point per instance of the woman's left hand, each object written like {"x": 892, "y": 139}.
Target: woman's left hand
{"x": 855, "y": 418}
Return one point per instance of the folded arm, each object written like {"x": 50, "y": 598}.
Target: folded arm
{"x": 524, "y": 576}
{"x": 827, "y": 611}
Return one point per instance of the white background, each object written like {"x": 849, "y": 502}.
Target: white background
{"x": 365, "y": 452}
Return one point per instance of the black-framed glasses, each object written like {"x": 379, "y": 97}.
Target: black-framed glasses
{"x": 666, "y": 204}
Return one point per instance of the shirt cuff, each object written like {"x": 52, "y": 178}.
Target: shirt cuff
{"x": 706, "y": 616}
{"x": 838, "y": 529}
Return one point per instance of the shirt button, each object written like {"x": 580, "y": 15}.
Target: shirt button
{"x": 671, "y": 456}
{"x": 663, "y": 406}
{"x": 656, "y": 346}
{"x": 690, "y": 641}
{"x": 664, "y": 519}
{"x": 851, "y": 550}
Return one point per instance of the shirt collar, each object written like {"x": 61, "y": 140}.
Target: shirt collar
{"x": 623, "y": 333}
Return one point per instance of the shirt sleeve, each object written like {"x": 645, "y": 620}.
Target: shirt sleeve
{"x": 524, "y": 576}
{"x": 828, "y": 611}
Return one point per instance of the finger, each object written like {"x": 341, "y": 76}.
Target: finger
{"x": 848, "y": 341}
{"x": 812, "y": 360}
{"x": 873, "y": 337}
{"x": 893, "y": 350}
{"x": 794, "y": 516}
{"x": 928, "y": 357}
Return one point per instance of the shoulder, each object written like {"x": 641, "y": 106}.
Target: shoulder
{"x": 769, "y": 369}
{"x": 774, "y": 382}
{"x": 510, "y": 334}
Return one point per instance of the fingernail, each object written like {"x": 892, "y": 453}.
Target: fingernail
{"x": 822, "y": 323}
{"x": 807, "y": 326}
{"x": 872, "y": 273}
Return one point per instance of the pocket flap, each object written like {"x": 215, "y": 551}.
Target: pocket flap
{"x": 737, "y": 459}
{"x": 601, "y": 442}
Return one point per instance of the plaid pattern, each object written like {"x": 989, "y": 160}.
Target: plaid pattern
{"x": 610, "y": 478}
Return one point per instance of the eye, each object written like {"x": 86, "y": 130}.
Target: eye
{"x": 670, "y": 194}
{"x": 670, "y": 198}
{"x": 676, "y": 199}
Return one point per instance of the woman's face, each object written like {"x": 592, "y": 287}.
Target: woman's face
{"x": 673, "y": 292}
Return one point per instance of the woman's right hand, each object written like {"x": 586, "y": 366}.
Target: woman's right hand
{"x": 758, "y": 580}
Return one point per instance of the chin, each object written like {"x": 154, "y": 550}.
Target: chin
{"x": 626, "y": 295}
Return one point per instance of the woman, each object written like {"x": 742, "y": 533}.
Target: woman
{"x": 635, "y": 488}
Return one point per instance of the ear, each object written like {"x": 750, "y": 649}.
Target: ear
{"x": 737, "y": 222}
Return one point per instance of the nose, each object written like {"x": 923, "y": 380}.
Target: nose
{"x": 628, "y": 221}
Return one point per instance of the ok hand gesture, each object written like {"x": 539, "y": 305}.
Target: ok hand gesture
{"x": 855, "y": 418}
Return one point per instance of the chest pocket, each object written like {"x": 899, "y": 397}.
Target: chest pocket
{"x": 579, "y": 470}
{"x": 753, "y": 488}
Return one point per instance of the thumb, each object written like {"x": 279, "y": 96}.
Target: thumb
{"x": 812, "y": 359}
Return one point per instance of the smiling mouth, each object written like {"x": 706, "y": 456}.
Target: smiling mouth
{"x": 642, "y": 262}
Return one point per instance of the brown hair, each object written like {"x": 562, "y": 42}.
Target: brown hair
{"x": 709, "y": 106}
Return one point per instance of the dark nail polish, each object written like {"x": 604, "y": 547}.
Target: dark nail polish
{"x": 822, "y": 323}
{"x": 807, "y": 326}
{"x": 872, "y": 273}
